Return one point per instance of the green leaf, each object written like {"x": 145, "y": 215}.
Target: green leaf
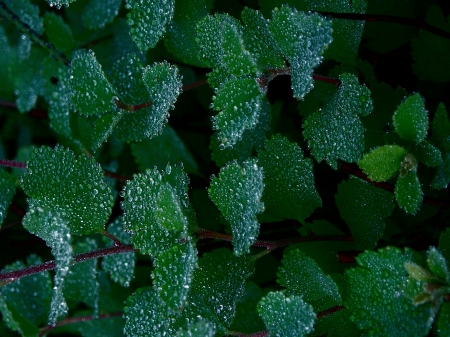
{"x": 430, "y": 51}
{"x": 198, "y": 329}
{"x": 440, "y": 127}
{"x": 148, "y": 20}
{"x": 429, "y": 154}
{"x": 163, "y": 83}
{"x": 286, "y": 316}
{"x": 7, "y": 191}
{"x": 252, "y": 139}
{"x": 443, "y": 322}
{"x": 54, "y": 230}
{"x": 437, "y": 264}
{"x": 408, "y": 192}
{"x": 109, "y": 327}
{"x": 376, "y": 298}
{"x": 59, "y": 3}
{"x": 181, "y": 34}
{"x": 260, "y": 41}
{"x": 302, "y": 38}
{"x": 16, "y": 322}
{"x": 172, "y": 275}
{"x": 221, "y": 39}
{"x": 444, "y": 244}
{"x": 168, "y": 212}
{"x": 418, "y": 273}
{"x": 364, "y": 207}
{"x": 58, "y": 32}
{"x": 168, "y": 146}
{"x": 302, "y": 276}
{"x": 237, "y": 193}
{"x": 92, "y": 92}
{"x": 141, "y": 193}
{"x": 73, "y": 187}
{"x": 98, "y": 13}
{"x": 442, "y": 177}
{"x": 81, "y": 282}
{"x": 382, "y": 162}
{"x": 31, "y": 295}
{"x": 239, "y": 103}
{"x": 61, "y": 104}
{"x": 289, "y": 180}
{"x": 336, "y": 132}
{"x": 120, "y": 267}
{"x": 247, "y": 318}
{"x": 411, "y": 119}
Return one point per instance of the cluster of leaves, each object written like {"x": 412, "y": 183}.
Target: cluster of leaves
{"x": 87, "y": 91}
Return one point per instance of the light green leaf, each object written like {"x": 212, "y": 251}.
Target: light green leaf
{"x": 30, "y": 295}
{"x": 148, "y": 233}
{"x": 286, "y": 316}
{"x": 7, "y": 191}
{"x": 364, "y": 207}
{"x": 438, "y": 264}
{"x": 181, "y": 34}
{"x": 81, "y": 282}
{"x": 239, "y": 103}
{"x": 172, "y": 275}
{"x": 72, "y": 187}
{"x": 376, "y": 298}
{"x": 92, "y": 92}
{"x": 302, "y": 276}
{"x": 289, "y": 180}
{"x": 418, "y": 273}
{"x": 120, "y": 267}
{"x": 408, "y": 192}
{"x": 260, "y": 41}
{"x": 382, "y": 162}
{"x": 237, "y": 193}
{"x": 336, "y": 132}
{"x": 302, "y": 38}
{"x": 411, "y": 119}
{"x": 98, "y": 13}
{"x": 158, "y": 151}
{"x": 163, "y": 83}
{"x": 148, "y": 20}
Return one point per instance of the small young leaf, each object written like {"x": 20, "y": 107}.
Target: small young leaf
{"x": 408, "y": 192}
{"x": 172, "y": 275}
{"x": 120, "y": 267}
{"x": 237, "y": 193}
{"x": 411, "y": 119}
{"x": 92, "y": 92}
{"x": 31, "y": 295}
{"x": 336, "y": 132}
{"x": 289, "y": 180}
{"x": 7, "y": 191}
{"x": 73, "y": 187}
{"x": 377, "y": 301}
{"x": 286, "y": 316}
{"x": 302, "y": 276}
{"x": 418, "y": 273}
{"x": 239, "y": 103}
{"x": 98, "y": 13}
{"x": 364, "y": 207}
{"x": 163, "y": 83}
{"x": 148, "y": 20}
{"x": 382, "y": 162}
{"x": 438, "y": 264}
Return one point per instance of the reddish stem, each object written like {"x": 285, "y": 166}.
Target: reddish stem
{"x": 330, "y": 311}
{"x": 50, "y": 265}
{"x": 194, "y": 85}
{"x": 131, "y": 107}
{"x": 48, "y": 328}
{"x": 12, "y": 163}
{"x": 116, "y": 176}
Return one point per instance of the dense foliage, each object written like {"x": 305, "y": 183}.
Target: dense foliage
{"x": 211, "y": 168}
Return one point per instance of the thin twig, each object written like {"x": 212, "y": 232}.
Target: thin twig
{"x": 12, "y": 163}
{"x": 116, "y": 240}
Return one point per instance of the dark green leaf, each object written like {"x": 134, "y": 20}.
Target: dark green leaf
{"x": 58, "y": 32}
{"x": 444, "y": 244}
{"x": 247, "y": 318}
{"x": 429, "y": 154}
{"x": 440, "y": 127}
{"x": 408, "y": 192}
{"x": 443, "y": 322}
{"x": 98, "y": 13}
{"x": 7, "y": 191}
